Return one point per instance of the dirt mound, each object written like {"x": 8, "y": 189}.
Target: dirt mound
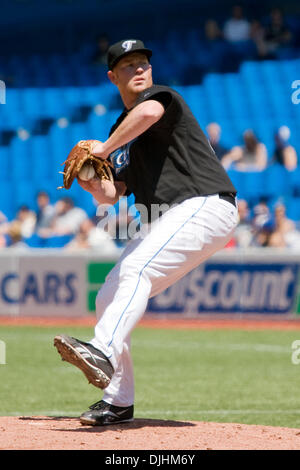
{"x": 64, "y": 433}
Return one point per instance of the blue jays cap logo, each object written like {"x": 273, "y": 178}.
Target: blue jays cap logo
{"x": 127, "y": 45}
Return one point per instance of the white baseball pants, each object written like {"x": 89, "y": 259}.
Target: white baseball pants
{"x": 182, "y": 238}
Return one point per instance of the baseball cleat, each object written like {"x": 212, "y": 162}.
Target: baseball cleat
{"x": 92, "y": 362}
{"x": 102, "y": 413}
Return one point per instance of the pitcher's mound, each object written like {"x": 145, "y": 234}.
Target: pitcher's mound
{"x": 49, "y": 433}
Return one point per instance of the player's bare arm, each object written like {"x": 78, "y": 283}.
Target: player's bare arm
{"x": 104, "y": 191}
{"x": 139, "y": 119}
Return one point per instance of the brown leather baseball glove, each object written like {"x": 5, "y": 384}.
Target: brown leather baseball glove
{"x": 79, "y": 155}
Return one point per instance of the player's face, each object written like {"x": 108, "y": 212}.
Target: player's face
{"x": 132, "y": 74}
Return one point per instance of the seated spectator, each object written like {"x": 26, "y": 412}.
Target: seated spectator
{"x": 252, "y": 156}
{"x": 214, "y": 135}
{"x": 257, "y": 33}
{"x": 90, "y": 236}
{"x": 67, "y": 219}
{"x": 100, "y": 56}
{"x": 284, "y": 227}
{"x": 275, "y": 231}
{"x": 26, "y": 220}
{"x": 263, "y": 235}
{"x": 208, "y": 54}
{"x": 284, "y": 153}
{"x": 45, "y": 213}
{"x": 261, "y": 214}
{"x": 237, "y": 28}
{"x": 212, "y": 31}
{"x": 14, "y": 237}
{"x": 243, "y": 233}
{"x": 277, "y": 34}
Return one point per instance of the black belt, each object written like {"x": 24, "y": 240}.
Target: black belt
{"x": 229, "y": 197}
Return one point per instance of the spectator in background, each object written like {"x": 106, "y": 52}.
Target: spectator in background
{"x": 237, "y": 28}
{"x": 285, "y": 233}
{"x": 277, "y": 34}
{"x": 91, "y": 237}
{"x": 284, "y": 153}
{"x": 252, "y": 156}
{"x": 100, "y": 57}
{"x": 45, "y": 213}
{"x": 263, "y": 234}
{"x": 257, "y": 34}
{"x": 243, "y": 233}
{"x": 262, "y": 224}
{"x": 14, "y": 237}
{"x": 212, "y": 31}
{"x": 261, "y": 214}
{"x": 67, "y": 219}
{"x": 214, "y": 134}
{"x": 204, "y": 55}
{"x": 26, "y": 220}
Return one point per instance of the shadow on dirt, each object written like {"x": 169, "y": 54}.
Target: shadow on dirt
{"x": 136, "y": 424}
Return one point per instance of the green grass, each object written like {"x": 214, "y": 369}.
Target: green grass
{"x": 218, "y": 375}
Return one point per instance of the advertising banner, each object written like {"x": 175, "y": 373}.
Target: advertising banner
{"x": 232, "y": 288}
{"x": 57, "y": 284}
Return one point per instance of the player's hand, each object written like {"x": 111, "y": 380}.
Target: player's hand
{"x": 99, "y": 151}
{"x": 91, "y": 185}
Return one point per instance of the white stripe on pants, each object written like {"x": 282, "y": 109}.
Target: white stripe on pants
{"x": 180, "y": 240}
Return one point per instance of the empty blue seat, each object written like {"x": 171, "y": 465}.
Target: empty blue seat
{"x": 7, "y": 199}
{"x": 20, "y": 159}
{"x": 276, "y": 181}
{"x": 53, "y": 103}
{"x": 31, "y": 102}
{"x": 42, "y": 166}
{"x": 5, "y": 172}
{"x": 24, "y": 194}
{"x": 59, "y": 145}
{"x": 57, "y": 242}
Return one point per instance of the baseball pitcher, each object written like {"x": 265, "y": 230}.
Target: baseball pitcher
{"x": 157, "y": 151}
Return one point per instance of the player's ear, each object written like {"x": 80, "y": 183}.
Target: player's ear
{"x": 112, "y": 77}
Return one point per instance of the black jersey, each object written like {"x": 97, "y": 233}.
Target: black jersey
{"x": 172, "y": 160}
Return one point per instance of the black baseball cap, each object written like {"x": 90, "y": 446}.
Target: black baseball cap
{"x": 120, "y": 49}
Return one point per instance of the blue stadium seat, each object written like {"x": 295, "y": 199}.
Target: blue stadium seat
{"x": 40, "y": 151}
{"x": 77, "y": 132}
{"x": 236, "y": 96}
{"x": 31, "y": 102}
{"x": 59, "y": 144}
{"x": 236, "y": 178}
{"x": 7, "y": 199}
{"x": 35, "y": 241}
{"x": 293, "y": 209}
{"x": 5, "y": 172}
{"x": 195, "y": 98}
{"x": 250, "y": 185}
{"x": 276, "y": 181}
{"x": 293, "y": 178}
{"x": 20, "y": 159}
{"x": 57, "y": 242}
{"x": 213, "y": 90}
{"x": 53, "y": 102}
{"x": 99, "y": 126}
{"x": 24, "y": 194}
